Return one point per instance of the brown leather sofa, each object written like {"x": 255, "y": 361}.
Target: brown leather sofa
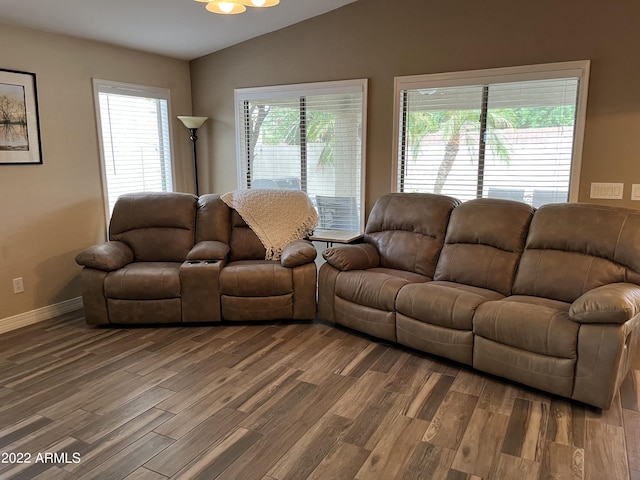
{"x": 549, "y": 298}
{"x": 358, "y": 286}
{"x": 174, "y": 257}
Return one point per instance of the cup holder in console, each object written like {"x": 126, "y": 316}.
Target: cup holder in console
{"x": 203, "y": 262}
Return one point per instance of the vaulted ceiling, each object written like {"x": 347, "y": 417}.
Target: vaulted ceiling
{"x": 177, "y": 28}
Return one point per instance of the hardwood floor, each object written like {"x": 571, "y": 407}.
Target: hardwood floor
{"x": 285, "y": 401}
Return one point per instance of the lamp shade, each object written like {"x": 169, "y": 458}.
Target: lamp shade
{"x": 225, "y": 7}
{"x": 192, "y": 122}
{"x": 259, "y": 3}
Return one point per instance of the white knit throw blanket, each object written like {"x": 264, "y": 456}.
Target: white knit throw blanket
{"x": 277, "y": 217}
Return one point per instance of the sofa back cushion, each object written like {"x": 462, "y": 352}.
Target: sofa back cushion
{"x": 213, "y": 219}
{"x": 217, "y": 221}
{"x": 408, "y": 230}
{"x": 244, "y": 243}
{"x": 157, "y": 226}
{"x": 484, "y": 242}
{"x": 575, "y": 247}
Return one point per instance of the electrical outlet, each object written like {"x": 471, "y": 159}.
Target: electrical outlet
{"x": 18, "y": 285}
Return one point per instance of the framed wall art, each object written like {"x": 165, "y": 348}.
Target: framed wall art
{"x": 19, "y": 122}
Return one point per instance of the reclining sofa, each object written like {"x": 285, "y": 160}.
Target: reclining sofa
{"x": 549, "y": 298}
{"x": 174, "y": 257}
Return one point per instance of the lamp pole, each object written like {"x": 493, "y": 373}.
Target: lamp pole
{"x": 193, "y": 124}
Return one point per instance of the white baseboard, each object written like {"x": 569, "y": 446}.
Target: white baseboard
{"x": 40, "y": 314}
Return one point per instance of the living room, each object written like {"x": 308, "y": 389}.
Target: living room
{"x": 54, "y": 210}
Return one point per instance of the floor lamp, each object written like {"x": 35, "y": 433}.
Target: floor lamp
{"x": 193, "y": 124}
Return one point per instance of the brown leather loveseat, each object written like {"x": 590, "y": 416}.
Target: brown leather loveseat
{"x": 549, "y": 298}
{"x": 174, "y": 257}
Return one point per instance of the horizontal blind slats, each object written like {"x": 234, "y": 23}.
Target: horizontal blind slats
{"x": 311, "y": 141}
{"x": 528, "y": 141}
{"x": 135, "y": 143}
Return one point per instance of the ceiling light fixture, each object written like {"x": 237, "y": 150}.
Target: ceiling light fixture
{"x": 232, "y": 7}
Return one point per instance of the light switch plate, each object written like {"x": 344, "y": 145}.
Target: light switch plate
{"x": 611, "y": 191}
{"x": 635, "y": 191}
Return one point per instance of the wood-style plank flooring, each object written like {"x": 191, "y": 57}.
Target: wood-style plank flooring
{"x": 284, "y": 401}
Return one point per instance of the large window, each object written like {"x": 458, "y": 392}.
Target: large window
{"x": 511, "y": 133}
{"x": 309, "y": 137}
{"x": 133, "y": 126}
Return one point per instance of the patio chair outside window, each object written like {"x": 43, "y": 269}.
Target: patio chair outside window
{"x": 338, "y": 213}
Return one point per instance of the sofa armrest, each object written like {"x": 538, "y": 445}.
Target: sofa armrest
{"x": 208, "y": 250}
{"x": 612, "y": 303}
{"x": 298, "y": 252}
{"x": 352, "y": 257}
{"x": 107, "y": 256}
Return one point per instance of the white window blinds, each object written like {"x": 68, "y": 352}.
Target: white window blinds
{"x": 504, "y": 133}
{"x": 133, "y": 123}
{"x": 307, "y": 137}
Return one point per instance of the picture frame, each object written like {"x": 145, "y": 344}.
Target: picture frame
{"x": 19, "y": 119}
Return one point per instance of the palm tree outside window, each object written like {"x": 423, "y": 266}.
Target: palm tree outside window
{"x": 308, "y": 137}
{"x": 510, "y": 133}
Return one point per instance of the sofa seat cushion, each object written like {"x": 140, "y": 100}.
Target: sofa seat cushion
{"x": 144, "y": 281}
{"x": 255, "y": 278}
{"x": 532, "y": 324}
{"x": 376, "y": 287}
{"x": 447, "y": 342}
{"x": 446, "y": 304}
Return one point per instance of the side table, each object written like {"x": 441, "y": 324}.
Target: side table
{"x": 335, "y": 236}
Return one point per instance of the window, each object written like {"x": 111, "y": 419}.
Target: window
{"x": 133, "y": 126}
{"x": 309, "y": 137}
{"x": 510, "y": 132}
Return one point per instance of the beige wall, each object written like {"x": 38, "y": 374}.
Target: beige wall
{"x": 381, "y": 39}
{"x": 51, "y": 211}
